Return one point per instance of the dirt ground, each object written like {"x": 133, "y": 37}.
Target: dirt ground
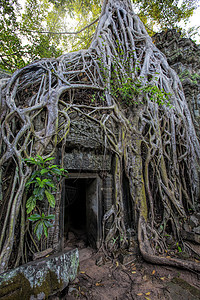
{"x": 127, "y": 278}
{"x": 99, "y": 279}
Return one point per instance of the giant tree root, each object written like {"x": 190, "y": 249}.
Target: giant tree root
{"x": 146, "y": 252}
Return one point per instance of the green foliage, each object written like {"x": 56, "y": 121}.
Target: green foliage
{"x": 95, "y": 97}
{"x": 11, "y": 50}
{"x": 195, "y": 77}
{"x": 127, "y": 89}
{"x": 40, "y": 17}
{"x": 21, "y": 37}
{"x": 42, "y": 224}
{"x": 29, "y": 35}
{"x": 178, "y": 247}
{"x": 192, "y": 33}
{"x": 42, "y": 185}
{"x": 83, "y": 13}
{"x": 164, "y": 14}
{"x": 156, "y": 95}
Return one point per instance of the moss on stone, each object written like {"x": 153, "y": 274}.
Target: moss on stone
{"x": 56, "y": 284}
{"x": 185, "y": 285}
{"x": 19, "y": 287}
{"x": 16, "y": 288}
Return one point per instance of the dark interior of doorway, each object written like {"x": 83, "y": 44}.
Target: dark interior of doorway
{"x": 75, "y": 216}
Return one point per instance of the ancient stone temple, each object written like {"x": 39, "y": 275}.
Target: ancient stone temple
{"x": 88, "y": 192}
{"x": 183, "y": 55}
{"x": 90, "y": 182}
{"x": 115, "y": 116}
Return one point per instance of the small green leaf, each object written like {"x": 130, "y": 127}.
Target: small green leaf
{"x": 45, "y": 230}
{"x": 40, "y": 158}
{"x": 47, "y": 223}
{"x": 53, "y": 166}
{"x": 49, "y": 158}
{"x": 49, "y": 183}
{"x": 50, "y": 217}
{"x": 50, "y": 198}
{"x": 43, "y": 171}
{"x": 30, "y": 160}
{"x": 39, "y": 193}
{"x": 57, "y": 171}
{"x": 34, "y": 217}
{"x": 30, "y": 182}
{"x": 30, "y": 204}
{"x": 179, "y": 249}
{"x": 39, "y": 229}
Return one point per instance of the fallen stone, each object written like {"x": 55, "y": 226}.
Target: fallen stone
{"x": 42, "y": 254}
{"x": 100, "y": 261}
{"x": 71, "y": 235}
{"x": 197, "y": 230}
{"x": 80, "y": 245}
{"x": 73, "y": 291}
{"x": 126, "y": 258}
{"x": 186, "y": 227}
{"x": 197, "y": 215}
{"x": 40, "y": 296}
{"x": 41, "y": 278}
{"x": 192, "y": 291}
{"x": 68, "y": 248}
{"x": 194, "y": 222}
{"x": 190, "y": 236}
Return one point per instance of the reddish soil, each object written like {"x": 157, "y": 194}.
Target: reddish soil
{"x": 101, "y": 279}
{"x": 136, "y": 280}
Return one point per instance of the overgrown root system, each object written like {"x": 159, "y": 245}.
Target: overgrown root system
{"x": 155, "y": 145}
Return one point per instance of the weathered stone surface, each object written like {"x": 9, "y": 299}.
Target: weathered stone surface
{"x": 38, "y": 280}
{"x": 127, "y": 257}
{"x": 183, "y": 55}
{"x": 42, "y": 254}
{"x": 85, "y": 133}
{"x": 197, "y": 230}
{"x": 186, "y": 227}
{"x": 194, "y": 222}
{"x": 87, "y": 161}
{"x": 181, "y": 289}
{"x": 197, "y": 215}
{"x": 191, "y": 236}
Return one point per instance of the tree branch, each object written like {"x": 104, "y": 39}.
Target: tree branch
{"x": 65, "y": 32}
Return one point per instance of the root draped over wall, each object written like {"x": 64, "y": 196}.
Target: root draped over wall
{"x": 155, "y": 145}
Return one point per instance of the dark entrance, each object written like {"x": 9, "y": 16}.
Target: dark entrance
{"x": 75, "y": 205}
{"x": 82, "y": 209}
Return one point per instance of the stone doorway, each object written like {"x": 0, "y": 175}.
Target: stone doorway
{"x": 82, "y": 209}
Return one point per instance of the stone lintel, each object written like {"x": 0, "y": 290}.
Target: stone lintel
{"x": 87, "y": 161}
